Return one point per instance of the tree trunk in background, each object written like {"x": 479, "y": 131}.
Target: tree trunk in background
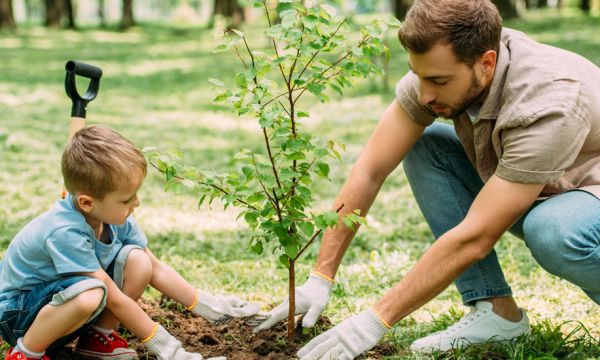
{"x": 127, "y": 20}
{"x": 585, "y": 5}
{"x": 542, "y": 3}
{"x": 231, "y": 10}
{"x": 400, "y": 8}
{"x": 69, "y": 11}
{"x": 54, "y": 9}
{"x": 101, "y": 16}
{"x": 7, "y": 20}
{"x": 507, "y": 9}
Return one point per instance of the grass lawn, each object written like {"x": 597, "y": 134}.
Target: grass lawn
{"x": 155, "y": 91}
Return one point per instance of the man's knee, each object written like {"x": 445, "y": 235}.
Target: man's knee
{"x": 556, "y": 245}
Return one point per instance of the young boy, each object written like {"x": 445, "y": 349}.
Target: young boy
{"x": 78, "y": 269}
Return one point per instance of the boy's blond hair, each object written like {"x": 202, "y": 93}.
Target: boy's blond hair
{"x": 97, "y": 159}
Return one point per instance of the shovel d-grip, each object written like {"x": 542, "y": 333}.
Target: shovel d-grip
{"x": 91, "y": 72}
{"x": 80, "y": 102}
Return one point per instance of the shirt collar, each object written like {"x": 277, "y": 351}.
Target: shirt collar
{"x": 491, "y": 105}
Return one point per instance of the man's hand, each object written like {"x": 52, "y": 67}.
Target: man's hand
{"x": 346, "y": 340}
{"x": 166, "y": 347}
{"x": 221, "y": 309}
{"x": 311, "y": 299}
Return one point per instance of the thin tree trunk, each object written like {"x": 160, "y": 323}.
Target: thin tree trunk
{"x": 101, "y": 15}
{"x": 7, "y": 19}
{"x": 400, "y": 8}
{"x": 291, "y": 325}
{"x": 585, "y": 5}
{"x": 54, "y": 10}
{"x": 231, "y": 10}
{"x": 127, "y": 20}
{"x": 70, "y": 14}
{"x": 507, "y": 9}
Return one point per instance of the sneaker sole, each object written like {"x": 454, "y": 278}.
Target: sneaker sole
{"x": 95, "y": 355}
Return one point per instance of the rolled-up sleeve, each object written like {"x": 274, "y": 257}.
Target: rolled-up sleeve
{"x": 407, "y": 95}
{"x": 540, "y": 152}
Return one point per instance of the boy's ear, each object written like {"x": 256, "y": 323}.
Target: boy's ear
{"x": 85, "y": 203}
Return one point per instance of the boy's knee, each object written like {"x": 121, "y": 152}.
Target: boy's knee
{"x": 89, "y": 301}
{"x": 139, "y": 262}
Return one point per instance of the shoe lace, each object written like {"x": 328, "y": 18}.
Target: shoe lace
{"x": 466, "y": 320}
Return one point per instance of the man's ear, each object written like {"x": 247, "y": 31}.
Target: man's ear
{"x": 85, "y": 203}
{"x": 488, "y": 63}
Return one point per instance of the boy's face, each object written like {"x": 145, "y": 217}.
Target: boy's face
{"x": 116, "y": 206}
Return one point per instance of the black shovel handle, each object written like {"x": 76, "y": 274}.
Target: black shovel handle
{"x": 91, "y": 72}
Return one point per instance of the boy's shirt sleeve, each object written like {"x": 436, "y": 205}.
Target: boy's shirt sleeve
{"x": 134, "y": 234}
{"x": 71, "y": 251}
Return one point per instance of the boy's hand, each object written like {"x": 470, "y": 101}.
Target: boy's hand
{"x": 166, "y": 347}
{"x": 221, "y": 309}
{"x": 311, "y": 299}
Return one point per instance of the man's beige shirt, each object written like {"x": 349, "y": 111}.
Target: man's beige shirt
{"x": 540, "y": 122}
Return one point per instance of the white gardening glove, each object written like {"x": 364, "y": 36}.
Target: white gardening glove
{"x": 166, "y": 347}
{"x": 311, "y": 299}
{"x": 220, "y": 309}
{"x": 346, "y": 340}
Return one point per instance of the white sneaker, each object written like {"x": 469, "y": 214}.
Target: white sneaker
{"x": 478, "y": 326}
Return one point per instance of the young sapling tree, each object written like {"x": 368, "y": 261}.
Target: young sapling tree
{"x": 308, "y": 54}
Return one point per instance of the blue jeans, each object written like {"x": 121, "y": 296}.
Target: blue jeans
{"x": 18, "y": 313}
{"x": 562, "y": 238}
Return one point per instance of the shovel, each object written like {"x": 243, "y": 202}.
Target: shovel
{"x": 78, "y": 110}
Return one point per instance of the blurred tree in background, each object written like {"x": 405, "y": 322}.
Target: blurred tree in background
{"x": 7, "y": 19}
{"x": 232, "y": 13}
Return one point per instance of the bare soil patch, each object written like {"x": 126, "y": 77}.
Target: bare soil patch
{"x": 234, "y": 340}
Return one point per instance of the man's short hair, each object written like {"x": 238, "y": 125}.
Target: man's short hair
{"x": 472, "y": 27}
{"x": 97, "y": 159}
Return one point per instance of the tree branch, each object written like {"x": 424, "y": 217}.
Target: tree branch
{"x": 313, "y": 238}
{"x": 211, "y": 185}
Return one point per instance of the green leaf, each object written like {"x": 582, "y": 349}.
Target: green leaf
{"x": 288, "y": 18}
{"x": 251, "y": 218}
{"x": 284, "y": 260}
{"x": 257, "y": 248}
{"x": 256, "y": 197}
{"x": 322, "y": 169}
{"x": 393, "y": 22}
{"x": 275, "y": 31}
{"x": 307, "y": 228}
{"x": 248, "y": 171}
{"x": 336, "y": 88}
{"x": 189, "y": 183}
{"x": 216, "y": 82}
{"x": 291, "y": 250}
{"x": 302, "y": 114}
{"x": 238, "y": 33}
{"x": 241, "y": 81}
{"x": 331, "y": 218}
{"x": 315, "y": 88}
{"x": 221, "y": 97}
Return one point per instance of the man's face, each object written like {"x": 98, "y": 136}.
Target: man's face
{"x": 447, "y": 86}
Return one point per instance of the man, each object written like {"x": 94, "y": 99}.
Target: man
{"x": 523, "y": 155}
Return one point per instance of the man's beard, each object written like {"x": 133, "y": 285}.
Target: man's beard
{"x": 471, "y": 97}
